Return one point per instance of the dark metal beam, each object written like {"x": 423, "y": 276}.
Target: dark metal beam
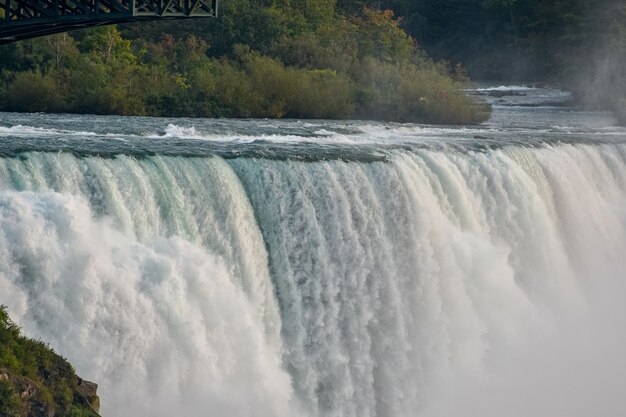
{"x": 24, "y": 19}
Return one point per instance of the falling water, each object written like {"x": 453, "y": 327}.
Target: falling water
{"x": 436, "y": 279}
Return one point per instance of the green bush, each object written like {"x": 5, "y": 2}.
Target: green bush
{"x": 34, "y": 92}
{"x": 404, "y": 93}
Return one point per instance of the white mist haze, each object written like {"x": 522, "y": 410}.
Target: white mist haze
{"x": 574, "y": 369}
{"x": 597, "y": 69}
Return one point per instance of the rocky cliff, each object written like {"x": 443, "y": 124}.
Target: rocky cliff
{"x": 36, "y": 382}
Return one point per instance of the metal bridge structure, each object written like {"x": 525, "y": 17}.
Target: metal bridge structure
{"x": 25, "y": 19}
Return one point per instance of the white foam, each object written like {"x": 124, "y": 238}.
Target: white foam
{"x": 505, "y": 88}
{"x": 174, "y": 131}
{"x": 30, "y": 131}
{"x": 162, "y": 327}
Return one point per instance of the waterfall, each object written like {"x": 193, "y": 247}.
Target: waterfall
{"x": 410, "y": 286}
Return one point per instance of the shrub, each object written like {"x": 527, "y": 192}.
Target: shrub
{"x": 34, "y": 92}
{"x": 404, "y": 93}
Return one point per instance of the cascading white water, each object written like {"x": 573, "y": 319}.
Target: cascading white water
{"x": 415, "y": 286}
{"x": 394, "y": 276}
{"x": 164, "y": 325}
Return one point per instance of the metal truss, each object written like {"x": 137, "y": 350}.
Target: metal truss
{"x": 24, "y": 19}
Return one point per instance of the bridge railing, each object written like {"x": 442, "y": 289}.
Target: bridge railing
{"x": 23, "y": 19}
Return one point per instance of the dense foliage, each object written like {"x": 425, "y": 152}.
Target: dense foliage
{"x": 32, "y": 366}
{"x": 578, "y": 43}
{"x": 510, "y": 39}
{"x": 324, "y": 59}
{"x": 261, "y": 58}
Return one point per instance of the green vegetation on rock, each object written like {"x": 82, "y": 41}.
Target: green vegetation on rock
{"x": 36, "y": 381}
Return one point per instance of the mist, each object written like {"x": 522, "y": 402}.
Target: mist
{"x": 572, "y": 367}
{"x": 600, "y": 81}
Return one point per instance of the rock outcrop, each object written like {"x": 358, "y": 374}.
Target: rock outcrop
{"x": 36, "y": 382}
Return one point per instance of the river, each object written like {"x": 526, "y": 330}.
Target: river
{"x": 268, "y": 268}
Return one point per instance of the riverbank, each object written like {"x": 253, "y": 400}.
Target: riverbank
{"x": 246, "y": 85}
{"x": 337, "y": 66}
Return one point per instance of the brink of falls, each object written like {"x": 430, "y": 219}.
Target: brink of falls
{"x": 345, "y": 269}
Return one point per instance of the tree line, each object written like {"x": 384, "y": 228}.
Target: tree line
{"x": 401, "y": 60}
{"x": 298, "y": 59}
{"x": 580, "y": 44}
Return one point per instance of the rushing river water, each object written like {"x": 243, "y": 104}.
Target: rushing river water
{"x": 325, "y": 268}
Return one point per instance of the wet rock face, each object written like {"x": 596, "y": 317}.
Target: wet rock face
{"x": 30, "y": 400}
{"x": 89, "y": 391}
{"x": 26, "y": 399}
